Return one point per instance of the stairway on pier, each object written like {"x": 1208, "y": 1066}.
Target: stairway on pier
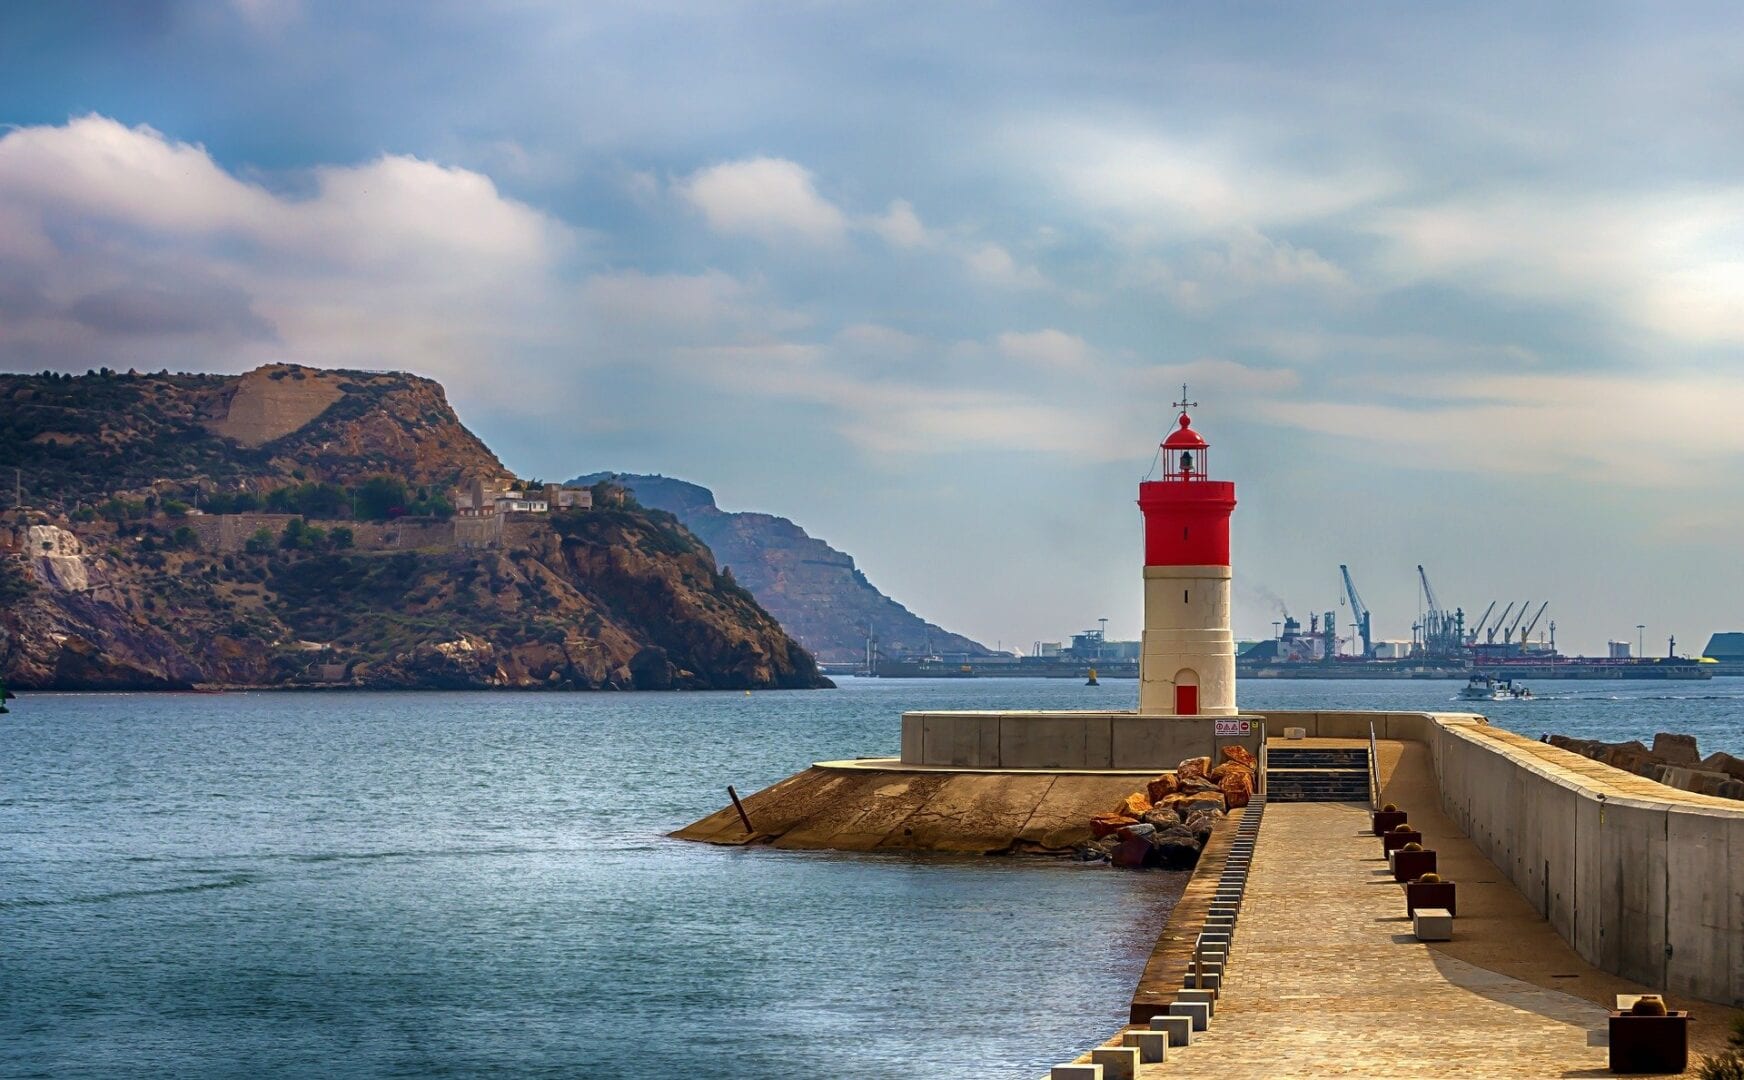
{"x": 1317, "y": 774}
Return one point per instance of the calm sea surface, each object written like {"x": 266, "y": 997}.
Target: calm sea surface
{"x": 470, "y": 884}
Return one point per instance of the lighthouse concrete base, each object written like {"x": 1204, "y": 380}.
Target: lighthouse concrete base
{"x": 1071, "y": 740}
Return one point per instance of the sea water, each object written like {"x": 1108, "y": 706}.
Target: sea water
{"x": 350, "y": 884}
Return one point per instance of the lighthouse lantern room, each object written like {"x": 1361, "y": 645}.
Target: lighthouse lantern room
{"x": 1187, "y": 667}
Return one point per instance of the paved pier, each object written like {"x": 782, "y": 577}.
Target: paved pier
{"x": 1325, "y": 978}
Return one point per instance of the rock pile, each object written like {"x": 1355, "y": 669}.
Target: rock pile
{"x": 1169, "y": 822}
{"x": 1673, "y": 761}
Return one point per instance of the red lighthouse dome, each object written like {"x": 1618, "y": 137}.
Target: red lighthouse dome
{"x": 1186, "y": 512}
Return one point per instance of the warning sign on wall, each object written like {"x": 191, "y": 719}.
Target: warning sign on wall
{"x": 1234, "y": 727}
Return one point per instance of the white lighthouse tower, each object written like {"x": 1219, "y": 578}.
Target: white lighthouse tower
{"x": 1188, "y": 660}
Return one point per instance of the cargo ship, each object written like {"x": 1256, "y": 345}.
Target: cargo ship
{"x": 1595, "y": 667}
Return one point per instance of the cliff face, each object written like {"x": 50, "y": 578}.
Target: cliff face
{"x": 96, "y": 436}
{"x": 614, "y": 598}
{"x": 814, "y": 590}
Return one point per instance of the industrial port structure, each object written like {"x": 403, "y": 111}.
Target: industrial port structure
{"x": 1444, "y": 644}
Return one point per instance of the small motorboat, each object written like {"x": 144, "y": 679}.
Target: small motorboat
{"x": 1490, "y": 688}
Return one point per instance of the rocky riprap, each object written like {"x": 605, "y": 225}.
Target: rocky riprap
{"x": 1168, "y": 824}
{"x": 1673, "y": 760}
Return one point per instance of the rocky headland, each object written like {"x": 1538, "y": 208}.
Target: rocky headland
{"x": 293, "y": 527}
{"x": 815, "y": 591}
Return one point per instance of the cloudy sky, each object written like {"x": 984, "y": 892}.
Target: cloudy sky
{"x": 1453, "y": 286}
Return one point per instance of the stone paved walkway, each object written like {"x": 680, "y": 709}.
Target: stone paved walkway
{"x": 1325, "y": 979}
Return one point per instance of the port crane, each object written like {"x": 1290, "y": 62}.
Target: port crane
{"x": 1490, "y": 639}
{"x": 1443, "y": 631}
{"x": 1508, "y": 638}
{"x": 1472, "y": 637}
{"x": 1360, "y": 613}
{"x": 1526, "y": 633}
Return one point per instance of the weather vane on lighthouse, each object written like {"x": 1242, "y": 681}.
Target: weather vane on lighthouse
{"x": 1184, "y": 404}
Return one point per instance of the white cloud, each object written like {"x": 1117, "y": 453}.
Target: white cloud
{"x": 144, "y": 251}
{"x": 872, "y": 339}
{"x": 1669, "y": 431}
{"x": 1668, "y": 262}
{"x": 1209, "y": 375}
{"x": 683, "y": 306}
{"x": 1183, "y": 187}
{"x": 1051, "y": 350}
{"x": 769, "y": 199}
{"x": 994, "y": 265}
{"x": 901, "y": 227}
{"x": 1244, "y": 263}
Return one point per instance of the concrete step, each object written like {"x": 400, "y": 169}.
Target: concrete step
{"x": 1287, "y": 758}
{"x": 1317, "y": 775}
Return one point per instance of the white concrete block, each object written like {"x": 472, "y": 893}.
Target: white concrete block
{"x": 1152, "y": 1046}
{"x": 1075, "y": 1072}
{"x": 1433, "y": 924}
{"x": 1209, "y": 997}
{"x": 1179, "y": 1028}
{"x": 1197, "y": 1011}
{"x": 1205, "y": 980}
{"x": 1118, "y": 1062}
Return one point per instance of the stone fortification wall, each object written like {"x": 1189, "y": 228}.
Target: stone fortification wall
{"x": 1643, "y": 881}
{"x": 478, "y": 532}
{"x": 227, "y": 533}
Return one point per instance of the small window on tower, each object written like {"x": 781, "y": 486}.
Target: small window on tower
{"x": 1184, "y": 599}
{"x": 1183, "y": 532}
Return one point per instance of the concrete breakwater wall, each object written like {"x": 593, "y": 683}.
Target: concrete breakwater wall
{"x": 1642, "y": 880}
{"x": 1089, "y": 739}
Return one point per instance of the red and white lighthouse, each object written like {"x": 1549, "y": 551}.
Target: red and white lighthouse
{"x": 1188, "y": 664}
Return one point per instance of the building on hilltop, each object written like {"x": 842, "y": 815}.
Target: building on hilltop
{"x": 487, "y": 498}
{"x": 558, "y": 497}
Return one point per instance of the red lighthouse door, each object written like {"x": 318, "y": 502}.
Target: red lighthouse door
{"x": 1186, "y": 700}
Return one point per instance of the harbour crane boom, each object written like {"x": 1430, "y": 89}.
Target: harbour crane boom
{"x": 1509, "y": 636}
{"x": 1526, "y": 633}
{"x": 1359, "y": 612}
{"x": 1479, "y": 628}
{"x": 1429, "y": 594}
{"x": 1491, "y": 640}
